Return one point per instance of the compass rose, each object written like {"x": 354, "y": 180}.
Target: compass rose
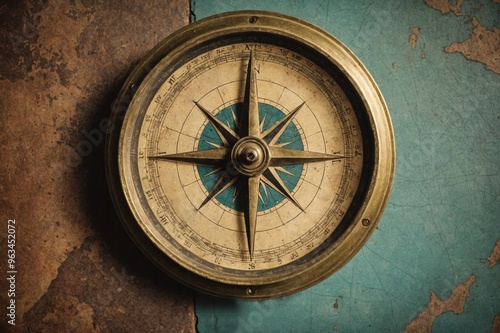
{"x": 250, "y": 157}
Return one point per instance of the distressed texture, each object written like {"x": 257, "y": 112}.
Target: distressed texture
{"x": 436, "y": 307}
{"x": 445, "y": 6}
{"x": 495, "y": 327}
{"x": 415, "y": 31}
{"x": 94, "y": 292}
{"x": 442, "y": 217}
{"x": 482, "y": 46}
{"x": 62, "y": 64}
{"x": 495, "y": 255}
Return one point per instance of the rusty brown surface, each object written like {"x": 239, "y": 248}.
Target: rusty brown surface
{"x": 446, "y": 6}
{"x": 495, "y": 255}
{"x": 61, "y": 66}
{"x": 456, "y": 302}
{"x": 94, "y": 292}
{"x": 482, "y": 46}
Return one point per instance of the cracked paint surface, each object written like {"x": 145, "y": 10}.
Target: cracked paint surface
{"x": 62, "y": 64}
{"x": 483, "y": 46}
{"x": 415, "y": 31}
{"x": 95, "y": 292}
{"x": 442, "y": 218}
{"x": 445, "y": 6}
{"x": 456, "y": 303}
{"x": 495, "y": 255}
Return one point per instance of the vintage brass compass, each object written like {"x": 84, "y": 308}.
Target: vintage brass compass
{"x": 251, "y": 155}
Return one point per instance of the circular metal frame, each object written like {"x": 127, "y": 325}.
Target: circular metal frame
{"x": 357, "y": 82}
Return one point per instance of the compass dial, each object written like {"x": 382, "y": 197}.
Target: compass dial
{"x": 251, "y": 161}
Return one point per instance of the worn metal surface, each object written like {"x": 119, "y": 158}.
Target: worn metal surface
{"x": 201, "y": 245}
{"x": 61, "y": 65}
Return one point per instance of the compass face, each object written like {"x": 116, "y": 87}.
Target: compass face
{"x": 252, "y": 162}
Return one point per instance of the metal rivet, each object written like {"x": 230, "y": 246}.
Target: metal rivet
{"x": 253, "y": 19}
{"x": 250, "y": 291}
{"x": 365, "y": 222}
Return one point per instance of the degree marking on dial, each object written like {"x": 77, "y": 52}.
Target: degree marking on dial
{"x": 250, "y": 130}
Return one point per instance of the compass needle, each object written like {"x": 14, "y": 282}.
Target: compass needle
{"x": 261, "y": 126}
{"x": 261, "y": 198}
{"x": 209, "y": 157}
{"x": 223, "y": 183}
{"x": 254, "y": 158}
{"x": 274, "y": 132}
{"x": 251, "y": 206}
{"x": 271, "y": 178}
{"x": 226, "y": 134}
{"x": 235, "y": 119}
{"x": 280, "y": 169}
{"x": 283, "y": 156}
{"x": 251, "y": 101}
{"x": 214, "y": 171}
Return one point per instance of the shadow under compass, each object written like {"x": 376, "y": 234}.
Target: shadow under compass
{"x": 116, "y": 241}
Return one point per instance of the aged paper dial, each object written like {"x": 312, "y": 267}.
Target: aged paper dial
{"x": 252, "y": 155}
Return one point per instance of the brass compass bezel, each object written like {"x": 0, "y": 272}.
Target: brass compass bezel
{"x": 356, "y": 79}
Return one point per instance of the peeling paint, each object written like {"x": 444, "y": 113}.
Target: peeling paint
{"x": 495, "y": 327}
{"x": 456, "y": 302}
{"x": 61, "y": 67}
{"x": 415, "y": 31}
{"x": 93, "y": 292}
{"x": 444, "y": 6}
{"x": 495, "y": 255}
{"x": 78, "y": 317}
{"x": 483, "y": 46}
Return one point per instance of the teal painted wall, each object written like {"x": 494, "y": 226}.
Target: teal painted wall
{"x": 443, "y": 218}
